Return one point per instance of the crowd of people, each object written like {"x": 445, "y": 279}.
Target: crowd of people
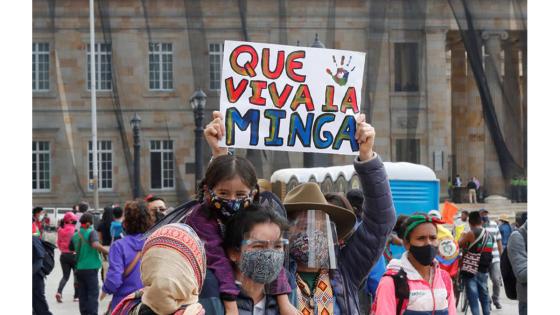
{"x": 239, "y": 249}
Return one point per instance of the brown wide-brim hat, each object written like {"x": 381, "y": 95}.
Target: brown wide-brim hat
{"x": 308, "y": 196}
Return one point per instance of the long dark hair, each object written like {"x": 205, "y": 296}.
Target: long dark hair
{"x": 107, "y": 216}
{"x": 226, "y": 167}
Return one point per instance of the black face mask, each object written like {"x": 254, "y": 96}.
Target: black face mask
{"x": 424, "y": 254}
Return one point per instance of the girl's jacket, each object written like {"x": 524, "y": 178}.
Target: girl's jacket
{"x": 437, "y": 299}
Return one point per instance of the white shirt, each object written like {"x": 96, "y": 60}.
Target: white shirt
{"x": 258, "y": 309}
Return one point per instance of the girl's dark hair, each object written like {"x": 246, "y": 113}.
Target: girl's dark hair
{"x": 226, "y": 167}
{"x": 399, "y": 226}
{"x": 107, "y": 216}
{"x": 137, "y": 219}
{"x": 37, "y": 210}
{"x": 243, "y": 222}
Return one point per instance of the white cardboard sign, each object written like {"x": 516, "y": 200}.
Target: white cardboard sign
{"x": 290, "y": 98}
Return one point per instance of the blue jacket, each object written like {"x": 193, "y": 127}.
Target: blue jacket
{"x": 366, "y": 245}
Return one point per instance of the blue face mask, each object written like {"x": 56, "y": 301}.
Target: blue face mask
{"x": 226, "y": 208}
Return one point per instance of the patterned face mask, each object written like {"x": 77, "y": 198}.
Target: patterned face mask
{"x": 300, "y": 249}
{"x": 263, "y": 265}
{"x": 226, "y": 208}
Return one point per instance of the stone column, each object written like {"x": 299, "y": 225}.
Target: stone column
{"x": 438, "y": 100}
{"x": 494, "y": 180}
{"x": 476, "y": 129}
{"x": 459, "y": 106}
{"x": 513, "y": 128}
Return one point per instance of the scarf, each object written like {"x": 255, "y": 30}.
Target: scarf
{"x": 322, "y": 296}
{"x": 132, "y": 305}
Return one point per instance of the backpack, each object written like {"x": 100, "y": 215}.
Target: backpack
{"x": 48, "y": 260}
{"x": 402, "y": 290}
{"x": 508, "y": 276}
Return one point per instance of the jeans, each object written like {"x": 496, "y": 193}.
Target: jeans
{"x": 88, "y": 288}
{"x": 522, "y": 308}
{"x": 496, "y": 277}
{"x": 39, "y": 302}
{"x": 68, "y": 263}
{"x": 477, "y": 290}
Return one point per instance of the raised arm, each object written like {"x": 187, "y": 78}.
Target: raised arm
{"x": 366, "y": 245}
{"x": 214, "y": 132}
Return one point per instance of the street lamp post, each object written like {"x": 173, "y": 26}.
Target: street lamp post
{"x": 135, "y": 123}
{"x": 309, "y": 158}
{"x": 198, "y": 102}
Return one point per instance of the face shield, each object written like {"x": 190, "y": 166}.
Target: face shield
{"x": 312, "y": 240}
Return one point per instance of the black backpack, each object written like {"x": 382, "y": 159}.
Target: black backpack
{"x": 48, "y": 260}
{"x": 510, "y": 282}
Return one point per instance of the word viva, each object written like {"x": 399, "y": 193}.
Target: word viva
{"x": 312, "y": 129}
{"x": 279, "y": 99}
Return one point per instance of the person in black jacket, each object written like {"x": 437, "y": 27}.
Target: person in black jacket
{"x": 39, "y": 302}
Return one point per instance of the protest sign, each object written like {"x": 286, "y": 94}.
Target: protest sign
{"x": 290, "y": 98}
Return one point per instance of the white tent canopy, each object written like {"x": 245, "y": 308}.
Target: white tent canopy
{"x": 395, "y": 170}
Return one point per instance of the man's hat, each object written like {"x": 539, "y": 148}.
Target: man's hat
{"x": 308, "y": 196}
{"x": 504, "y": 217}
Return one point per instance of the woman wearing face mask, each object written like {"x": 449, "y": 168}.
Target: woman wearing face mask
{"x": 415, "y": 284}
{"x": 229, "y": 186}
{"x": 254, "y": 244}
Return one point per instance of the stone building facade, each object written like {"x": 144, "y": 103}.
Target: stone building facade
{"x": 419, "y": 91}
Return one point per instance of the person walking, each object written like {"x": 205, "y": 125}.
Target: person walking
{"x": 123, "y": 276}
{"x": 477, "y": 259}
{"x": 495, "y": 273}
{"x": 430, "y": 287}
{"x": 38, "y": 301}
{"x": 86, "y": 244}
{"x": 67, "y": 256}
{"x": 517, "y": 253}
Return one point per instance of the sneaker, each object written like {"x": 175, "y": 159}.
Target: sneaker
{"x": 58, "y": 297}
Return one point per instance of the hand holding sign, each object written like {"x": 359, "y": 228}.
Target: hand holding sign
{"x": 279, "y": 97}
{"x": 214, "y": 132}
{"x": 365, "y": 135}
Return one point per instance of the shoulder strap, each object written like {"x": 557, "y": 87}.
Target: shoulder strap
{"x": 481, "y": 235}
{"x": 133, "y": 264}
{"x": 402, "y": 290}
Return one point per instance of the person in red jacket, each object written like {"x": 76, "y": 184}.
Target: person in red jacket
{"x": 67, "y": 256}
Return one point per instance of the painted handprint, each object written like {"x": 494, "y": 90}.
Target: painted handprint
{"x": 342, "y": 73}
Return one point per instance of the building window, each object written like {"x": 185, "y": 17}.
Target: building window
{"x": 103, "y": 76}
{"x": 161, "y": 164}
{"x": 161, "y": 66}
{"x": 408, "y": 150}
{"x": 41, "y": 166}
{"x": 216, "y": 53}
{"x": 406, "y": 67}
{"x": 104, "y": 164}
{"x": 40, "y": 66}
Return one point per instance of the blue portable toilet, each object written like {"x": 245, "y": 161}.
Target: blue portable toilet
{"x": 415, "y": 188}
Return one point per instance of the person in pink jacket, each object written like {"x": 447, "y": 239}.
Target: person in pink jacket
{"x": 67, "y": 257}
{"x": 415, "y": 284}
